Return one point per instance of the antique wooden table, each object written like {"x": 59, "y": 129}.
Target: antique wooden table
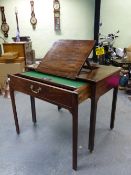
{"x": 66, "y": 78}
{"x": 67, "y": 93}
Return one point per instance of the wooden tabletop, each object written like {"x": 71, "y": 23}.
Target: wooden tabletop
{"x": 99, "y": 73}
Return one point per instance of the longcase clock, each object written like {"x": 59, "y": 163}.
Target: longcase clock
{"x": 56, "y": 6}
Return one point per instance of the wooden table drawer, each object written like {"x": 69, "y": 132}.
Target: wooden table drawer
{"x": 43, "y": 91}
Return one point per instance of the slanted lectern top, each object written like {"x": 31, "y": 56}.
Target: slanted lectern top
{"x": 66, "y": 58}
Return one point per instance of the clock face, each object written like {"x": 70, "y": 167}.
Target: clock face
{"x": 56, "y": 5}
{"x": 33, "y": 20}
{"x": 5, "y": 27}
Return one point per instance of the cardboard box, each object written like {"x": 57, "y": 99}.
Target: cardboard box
{"x": 9, "y": 68}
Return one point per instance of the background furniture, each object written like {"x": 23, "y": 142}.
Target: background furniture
{"x": 125, "y": 64}
{"x": 25, "y": 56}
{"x": 24, "y": 49}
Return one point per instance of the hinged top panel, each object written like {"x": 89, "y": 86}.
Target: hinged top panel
{"x": 66, "y": 58}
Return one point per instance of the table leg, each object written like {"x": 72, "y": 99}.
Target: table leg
{"x": 114, "y": 100}
{"x": 74, "y": 137}
{"x": 14, "y": 110}
{"x": 94, "y": 101}
{"x": 32, "y": 99}
{"x": 59, "y": 107}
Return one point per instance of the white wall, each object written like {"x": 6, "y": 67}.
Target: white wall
{"x": 116, "y": 14}
{"x": 77, "y": 21}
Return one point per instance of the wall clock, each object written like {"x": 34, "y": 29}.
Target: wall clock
{"x": 4, "y": 25}
{"x": 33, "y": 19}
{"x": 56, "y": 6}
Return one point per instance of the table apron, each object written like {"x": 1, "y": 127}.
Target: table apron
{"x": 107, "y": 84}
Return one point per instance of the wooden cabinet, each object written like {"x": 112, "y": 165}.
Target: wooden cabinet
{"x": 24, "y": 49}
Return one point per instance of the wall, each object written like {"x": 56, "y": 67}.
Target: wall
{"x": 77, "y": 21}
{"x": 116, "y": 14}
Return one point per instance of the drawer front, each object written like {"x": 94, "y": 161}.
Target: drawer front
{"x": 43, "y": 91}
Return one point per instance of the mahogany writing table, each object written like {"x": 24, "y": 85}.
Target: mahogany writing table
{"x": 70, "y": 90}
{"x": 67, "y": 94}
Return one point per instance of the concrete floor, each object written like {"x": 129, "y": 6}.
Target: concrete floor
{"x": 46, "y": 149}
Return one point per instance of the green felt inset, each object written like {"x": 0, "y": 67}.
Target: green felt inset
{"x": 55, "y": 79}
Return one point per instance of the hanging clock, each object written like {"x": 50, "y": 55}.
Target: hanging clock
{"x": 56, "y": 6}
{"x": 4, "y": 25}
{"x": 33, "y": 19}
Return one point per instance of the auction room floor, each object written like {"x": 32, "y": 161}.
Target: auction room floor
{"x": 46, "y": 149}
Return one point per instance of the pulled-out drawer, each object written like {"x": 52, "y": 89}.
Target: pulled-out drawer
{"x": 53, "y": 94}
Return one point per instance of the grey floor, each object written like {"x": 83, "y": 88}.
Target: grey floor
{"x": 45, "y": 149}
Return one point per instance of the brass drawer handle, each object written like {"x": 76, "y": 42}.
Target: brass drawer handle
{"x": 35, "y": 91}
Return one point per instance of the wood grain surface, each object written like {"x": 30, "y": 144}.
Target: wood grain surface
{"x": 66, "y": 57}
